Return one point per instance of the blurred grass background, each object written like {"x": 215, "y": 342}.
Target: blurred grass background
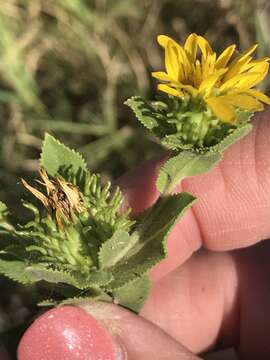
{"x": 66, "y": 67}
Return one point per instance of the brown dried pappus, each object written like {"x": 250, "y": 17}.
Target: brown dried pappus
{"x": 62, "y": 201}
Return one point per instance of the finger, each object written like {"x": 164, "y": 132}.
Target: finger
{"x": 71, "y": 333}
{"x": 234, "y": 199}
{"x": 254, "y": 292}
{"x": 217, "y": 300}
{"x": 197, "y": 304}
{"x": 140, "y": 338}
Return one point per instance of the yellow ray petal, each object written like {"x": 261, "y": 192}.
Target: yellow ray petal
{"x": 161, "y": 75}
{"x": 233, "y": 82}
{"x": 243, "y": 101}
{"x": 197, "y": 74}
{"x": 191, "y": 46}
{"x": 208, "y": 65}
{"x": 254, "y": 78}
{"x": 247, "y": 52}
{"x": 240, "y": 62}
{"x": 183, "y": 58}
{"x": 221, "y": 109}
{"x": 172, "y": 60}
{"x": 190, "y": 89}
{"x": 254, "y": 63}
{"x": 210, "y": 81}
{"x": 225, "y": 57}
{"x": 169, "y": 90}
{"x": 163, "y": 40}
{"x": 258, "y": 95}
{"x": 204, "y": 46}
{"x": 237, "y": 68}
{"x": 259, "y": 67}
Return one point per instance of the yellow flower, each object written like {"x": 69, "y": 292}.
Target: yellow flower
{"x": 224, "y": 85}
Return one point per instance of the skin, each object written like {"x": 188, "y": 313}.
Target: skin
{"x": 213, "y": 290}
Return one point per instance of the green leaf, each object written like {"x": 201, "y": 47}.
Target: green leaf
{"x": 17, "y": 251}
{"x": 134, "y": 294}
{"x": 15, "y": 270}
{"x": 234, "y": 136}
{"x": 83, "y": 298}
{"x": 114, "y": 249}
{"x": 152, "y": 232}
{"x": 99, "y": 278}
{"x": 40, "y": 272}
{"x": 56, "y": 156}
{"x": 190, "y": 163}
{"x": 143, "y": 111}
{"x": 186, "y": 163}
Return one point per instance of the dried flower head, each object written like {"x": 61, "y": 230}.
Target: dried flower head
{"x": 223, "y": 85}
{"x": 63, "y": 199}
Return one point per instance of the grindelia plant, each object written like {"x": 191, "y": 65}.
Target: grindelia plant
{"x": 205, "y": 104}
{"x": 80, "y": 243}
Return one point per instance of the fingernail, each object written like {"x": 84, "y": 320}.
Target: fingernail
{"x": 68, "y": 333}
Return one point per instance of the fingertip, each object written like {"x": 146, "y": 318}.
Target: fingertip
{"x": 68, "y": 333}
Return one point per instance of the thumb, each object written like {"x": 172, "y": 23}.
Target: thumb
{"x": 97, "y": 331}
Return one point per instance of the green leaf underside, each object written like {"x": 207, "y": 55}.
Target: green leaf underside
{"x": 152, "y": 230}
{"x": 99, "y": 278}
{"x": 15, "y": 270}
{"x": 114, "y": 249}
{"x": 38, "y": 272}
{"x": 233, "y": 137}
{"x": 56, "y": 155}
{"x": 80, "y": 300}
{"x": 161, "y": 124}
{"x": 143, "y": 111}
{"x": 185, "y": 164}
{"x": 189, "y": 163}
{"x": 134, "y": 294}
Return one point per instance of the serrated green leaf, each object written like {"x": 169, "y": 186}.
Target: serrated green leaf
{"x": 186, "y": 163}
{"x": 114, "y": 249}
{"x": 18, "y": 251}
{"x": 143, "y": 111}
{"x": 48, "y": 302}
{"x": 230, "y": 139}
{"x": 160, "y": 218}
{"x": 153, "y": 230}
{"x": 15, "y": 270}
{"x": 81, "y": 300}
{"x": 56, "y": 156}
{"x": 40, "y": 272}
{"x": 174, "y": 142}
{"x": 99, "y": 278}
{"x": 134, "y": 294}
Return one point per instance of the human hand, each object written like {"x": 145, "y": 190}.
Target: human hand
{"x": 199, "y": 302}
